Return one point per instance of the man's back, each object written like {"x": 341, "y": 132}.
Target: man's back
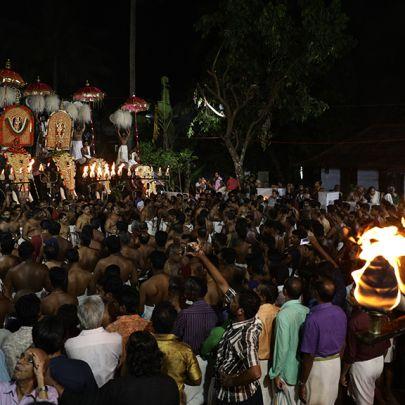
{"x": 88, "y": 258}
{"x": 51, "y": 303}
{"x": 155, "y": 290}
{"x": 29, "y": 276}
{"x": 127, "y": 270}
{"x": 99, "y": 349}
{"x": 180, "y": 362}
{"x": 289, "y": 321}
{"x": 6, "y": 263}
{"x": 79, "y": 281}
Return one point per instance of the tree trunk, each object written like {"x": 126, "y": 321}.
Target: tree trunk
{"x": 236, "y": 159}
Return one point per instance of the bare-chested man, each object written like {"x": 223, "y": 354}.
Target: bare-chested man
{"x": 63, "y": 244}
{"x": 59, "y": 296}
{"x": 127, "y": 269}
{"x": 32, "y": 231}
{"x": 28, "y": 275}
{"x": 80, "y": 281}
{"x": 88, "y": 257}
{"x": 143, "y": 252}
{"x": 156, "y": 289}
{"x": 7, "y": 260}
{"x": 174, "y": 261}
{"x": 51, "y": 252}
{"x": 111, "y": 222}
{"x": 5, "y": 222}
{"x": 83, "y": 219}
{"x": 127, "y": 247}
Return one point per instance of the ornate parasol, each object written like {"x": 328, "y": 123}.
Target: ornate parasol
{"x": 136, "y": 105}
{"x": 89, "y": 94}
{"x": 10, "y": 82}
{"x": 10, "y": 77}
{"x": 38, "y": 88}
{"x": 92, "y": 95}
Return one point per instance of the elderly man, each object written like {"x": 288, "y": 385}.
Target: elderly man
{"x": 27, "y": 385}
{"x": 97, "y": 347}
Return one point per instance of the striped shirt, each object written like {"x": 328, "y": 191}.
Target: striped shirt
{"x": 194, "y": 324}
{"x": 237, "y": 352}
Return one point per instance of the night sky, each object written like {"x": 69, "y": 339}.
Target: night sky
{"x": 71, "y": 41}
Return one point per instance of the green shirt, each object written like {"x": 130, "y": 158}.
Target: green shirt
{"x": 209, "y": 347}
{"x": 285, "y": 359}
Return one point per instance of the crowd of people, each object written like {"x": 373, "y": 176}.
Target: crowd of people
{"x": 220, "y": 297}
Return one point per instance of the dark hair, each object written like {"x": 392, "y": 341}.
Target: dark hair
{"x": 67, "y": 313}
{"x": 125, "y": 238}
{"x": 293, "y": 287}
{"x": 161, "y": 238}
{"x": 7, "y": 246}
{"x": 48, "y": 334}
{"x": 163, "y": 317}
{"x": 111, "y": 284}
{"x": 27, "y": 309}
{"x": 85, "y": 239}
{"x": 202, "y": 232}
{"x": 129, "y": 298}
{"x": 122, "y": 226}
{"x": 59, "y": 278}
{"x": 113, "y": 244}
{"x": 158, "y": 259}
{"x": 143, "y": 355}
{"x": 176, "y": 285}
{"x": 195, "y": 288}
{"x": 144, "y": 238}
{"x": 51, "y": 250}
{"x": 228, "y": 255}
{"x": 72, "y": 256}
{"x": 112, "y": 270}
{"x": 241, "y": 228}
{"x": 325, "y": 287}
{"x": 26, "y": 250}
{"x": 249, "y": 301}
{"x": 45, "y": 224}
{"x": 54, "y": 228}
{"x": 268, "y": 291}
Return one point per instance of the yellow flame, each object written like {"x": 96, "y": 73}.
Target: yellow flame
{"x": 85, "y": 171}
{"x": 93, "y": 170}
{"x": 120, "y": 168}
{"x": 113, "y": 170}
{"x": 32, "y": 161}
{"x": 41, "y": 167}
{"x": 375, "y": 242}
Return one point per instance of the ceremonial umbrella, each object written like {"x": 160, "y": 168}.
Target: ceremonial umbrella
{"x": 10, "y": 82}
{"x": 38, "y": 88}
{"x": 92, "y": 95}
{"x": 136, "y": 105}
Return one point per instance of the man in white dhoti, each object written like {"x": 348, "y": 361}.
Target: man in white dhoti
{"x": 323, "y": 340}
{"x": 122, "y": 156}
{"x": 364, "y": 362}
{"x": 77, "y": 143}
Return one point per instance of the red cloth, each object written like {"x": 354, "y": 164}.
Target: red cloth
{"x": 36, "y": 241}
{"x": 232, "y": 184}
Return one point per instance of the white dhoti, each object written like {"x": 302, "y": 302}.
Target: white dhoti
{"x": 122, "y": 156}
{"x": 147, "y": 312}
{"x": 287, "y": 396}
{"x": 77, "y": 150}
{"x": 265, "y": 381}
{"x": 195, "y": 394}
{"x": 363, "y": 375}
{"x": 323, "y": 381}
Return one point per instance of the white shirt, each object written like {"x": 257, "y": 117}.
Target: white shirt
{"x": 100, "y": 349}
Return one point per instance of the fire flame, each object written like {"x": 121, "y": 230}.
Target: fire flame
{"x": 32, "y": 161}
{"x": 386, "y": 243}
{"x": 120, "y": 169}
{"x": 85, "y": 172}
{"x": 113, "y": 170}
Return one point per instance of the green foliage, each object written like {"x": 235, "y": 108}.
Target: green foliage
{"x": 268, "y": 58}
{"x": 158, "y": 157}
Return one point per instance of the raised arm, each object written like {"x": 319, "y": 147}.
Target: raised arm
{"x": 214, "y": 272}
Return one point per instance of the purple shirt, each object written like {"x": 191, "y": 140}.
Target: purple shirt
{"x": 324, "y": 330}
{"x": 194, "y": 324}
{"x": 8, "y": 395}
